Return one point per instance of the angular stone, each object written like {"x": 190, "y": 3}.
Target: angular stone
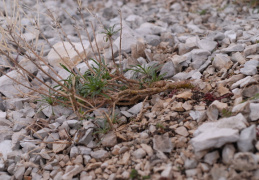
{"x": 238, "y": 57}
{"x": 250, "y": 50}
{"x": 136, "y": 108}
{"x": 64, "y": 53}
{"x": 198, "y": 115}
{"x": 254, "y": 108}
{"x": 19, "y": 172}
{"x": 59, "y": 146}
{"x": 17, "y": 137}
{"x": 211, "y": 158}
{"x": 247, "y": 139}
{"x": 148, "y": 149}
{"x": 168, "y": 70}
{"x": 72, "y": 171}
{"x": 235, "y": 122}
{"x": 250, "y": 67}
{"x": 152, "y": 40}
{"x": 199, "y": 56}
{"x": 214, "y": 138}
{"x": 149, "y": 28}
{"x": 207, "y": 45}
{"x": 100, "y": 154}
{"x": 190, "y": 163}
{"x": 129, "y": 38}
{"x": 162, "y": 143}
{"x": 84, "y": 136}
{"x": 10, "y": 88}
{"x": 167, "y": 173}
{"x": 5, "y": 148}
{"x": 231, "y": 35}
{"x": 139, "y": 153}
{"x": 228, "y": 153}
{"x": 245, "y": 161}
{"x": 233, "y": 48}
{"x": 109, "y": 140}
{"x": 222, "y": 61}
{"x": 41, "y": 134}
{"x": 182, "y": 131}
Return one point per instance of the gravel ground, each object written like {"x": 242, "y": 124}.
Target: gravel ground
{"x": 206, "y": 132}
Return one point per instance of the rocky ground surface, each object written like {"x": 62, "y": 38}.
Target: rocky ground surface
{"x": 209, "y": 132}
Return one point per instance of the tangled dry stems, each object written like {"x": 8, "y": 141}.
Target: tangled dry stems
{"x": 83, "y": 93}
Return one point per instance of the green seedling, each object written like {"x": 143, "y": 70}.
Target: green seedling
{"x": 203, "y": 12}
{"x": 226, "y": 113}
{"x": 109, "y": 32}
{"x": 149, "y": 74}
{"x": 134, "y": 175}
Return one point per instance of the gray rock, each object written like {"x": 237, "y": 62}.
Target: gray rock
{"x": 211, "y": 158}
{"x": 250, "y": 91}
{"x": 250, "y": 67}
{"x": 139, "y": 153}
{"x": 254, "y": 108}
{"x": 100, "y": 154}
{"x": 167, "y": 173}
{"x": 74, "y": 151}
{"x": 15, "y": 103}
{"x": 5, "y": 176}
{"x": 6, "y": 147}
{"x": 195, "y": 28}
{"x": 250, "y": 50}
{"x": 28, "y": 65}
{"x": 219, "y": 172}
{"x": 73, "y": 123}
{"x": 199, "y": 56}
{"x": 41, "y": 134}
{"x": 214, "y": 138}
{"x": 109, "y": 140}
{"x": 182, "y": 131}
{"x": 231, "y": 35}
{"x": 27, "y": 146}
{"x": 19, "y": 172}
{"x": 17, "y": 137}
{"x": 108, "y": 52}
{"x": 190, "y": 163}
{"x": 55, "y": 110}
{"x": 243, "y": 82}
{"x": 72, "y": 171}
{"x": 149, "y": 28}
{"x": 247, "y": 139}
{"x": 238, "y": 57}
{"x": 2, "y": 108}
{"x": 233, "y": 48}
{"x": 11, "y": 168}
{"x": 177, "y": 28}
{"x": 136, "y": 108}
{"x": 168, "y": 70}
{"x": 162, "y": 143}
{"x": 22, "y": 123}
{"x": 178, "y": 62}
{"x": 152, "y": 40}
{"x": 245, "y": 161}
{"x": 235, "y": 122}
{"x": 84, "y": 150}
{"x": 198, "y": 115}
{"x": 222, "y": 61}
{"x": 84, "y": 136}
{"x": 207, "y": 45}
{"x": 228, "y": 153}
{"x": 129, "y": 37}
{"x": 191, "y": 172}
{"x": 168, "y": 37}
